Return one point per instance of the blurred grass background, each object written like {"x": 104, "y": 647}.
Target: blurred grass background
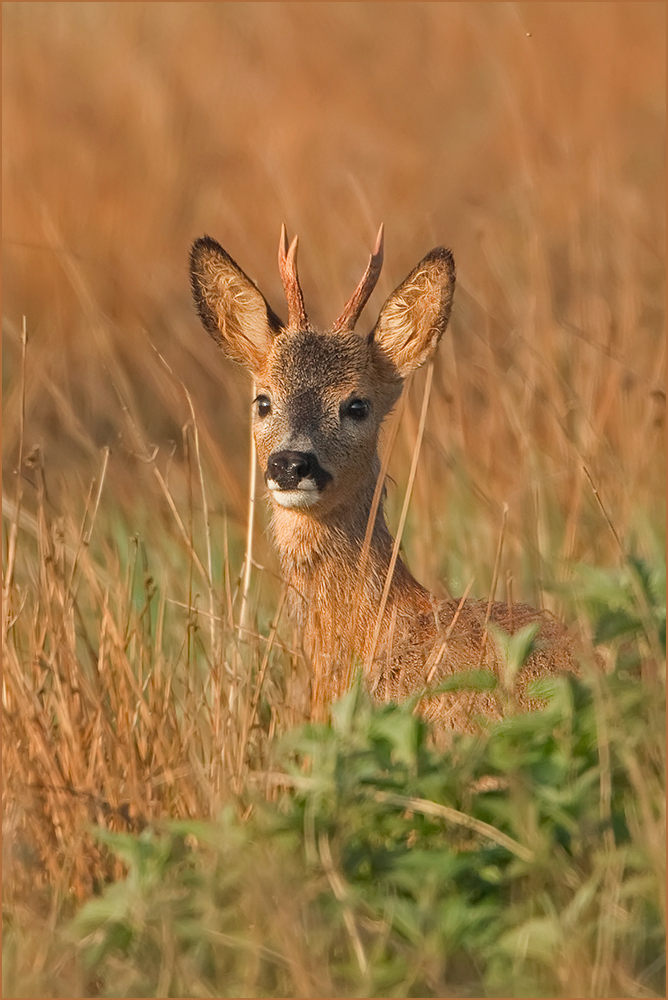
{"x": 528, "y": 137}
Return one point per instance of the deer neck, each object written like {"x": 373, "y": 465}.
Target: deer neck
{"x": 335, "y": 593}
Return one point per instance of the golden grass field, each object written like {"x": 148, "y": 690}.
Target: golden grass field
{"x": 528, "y": 137}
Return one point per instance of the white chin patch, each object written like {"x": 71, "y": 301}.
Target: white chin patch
{"x": 299, "y": 499}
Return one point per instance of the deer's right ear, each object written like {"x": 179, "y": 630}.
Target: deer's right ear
{"x": 230, "y": 307}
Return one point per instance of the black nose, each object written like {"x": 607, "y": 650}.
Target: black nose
{"x": 288, "y": 468}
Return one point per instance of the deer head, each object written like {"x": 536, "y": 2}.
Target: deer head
{"x": 321, "y": 395}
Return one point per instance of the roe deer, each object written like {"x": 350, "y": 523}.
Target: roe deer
{"x": 321, "y": 398}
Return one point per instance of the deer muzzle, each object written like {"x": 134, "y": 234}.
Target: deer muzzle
{"x": 295, "y": 478}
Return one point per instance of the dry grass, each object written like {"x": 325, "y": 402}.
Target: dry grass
{"x": 528, "y": 137}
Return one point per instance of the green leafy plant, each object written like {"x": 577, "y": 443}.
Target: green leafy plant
{"x": 525, "y": 860}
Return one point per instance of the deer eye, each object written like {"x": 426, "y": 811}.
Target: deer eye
{"x": 358, "y": 409}
{"x": 263, "y": 405}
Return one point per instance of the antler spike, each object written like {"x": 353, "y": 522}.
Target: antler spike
{"x": 287, "y": 265}
{"x": 359, "y": 298}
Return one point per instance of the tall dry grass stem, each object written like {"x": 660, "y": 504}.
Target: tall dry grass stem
{"x": 18, "y": 472}
{"x": 378, "y": 493}
{"x": 404, "y": 513}
{"x": 250, "y": 522}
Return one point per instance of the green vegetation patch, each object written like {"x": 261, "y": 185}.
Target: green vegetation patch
{"x": 526, "y": 861}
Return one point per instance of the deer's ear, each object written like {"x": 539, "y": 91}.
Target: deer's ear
{"x": 230, "y": 307}
{"x": 415, "y": 316}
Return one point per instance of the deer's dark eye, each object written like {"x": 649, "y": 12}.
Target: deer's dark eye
{"x": 358, "y": 409}
{"x": 263, "y": 406}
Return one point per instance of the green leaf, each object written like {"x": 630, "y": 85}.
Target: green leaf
{"x": 515, "y": 650}
{"x": 539, "y": 938}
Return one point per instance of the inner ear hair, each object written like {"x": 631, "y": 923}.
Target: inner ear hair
{"x": 416, "y": 314}
{"x": 230, "y": 306}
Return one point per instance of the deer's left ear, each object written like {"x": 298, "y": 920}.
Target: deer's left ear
{"x": 415, "y": 316}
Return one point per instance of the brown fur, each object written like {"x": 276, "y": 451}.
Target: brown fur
{"x": 308, "y": 379}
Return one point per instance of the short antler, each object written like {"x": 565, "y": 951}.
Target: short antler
{"x": 287, "y": 265}
{"x": 359, "y": 298}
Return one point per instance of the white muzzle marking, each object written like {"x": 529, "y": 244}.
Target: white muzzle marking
{"x": 303, "y": 496}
